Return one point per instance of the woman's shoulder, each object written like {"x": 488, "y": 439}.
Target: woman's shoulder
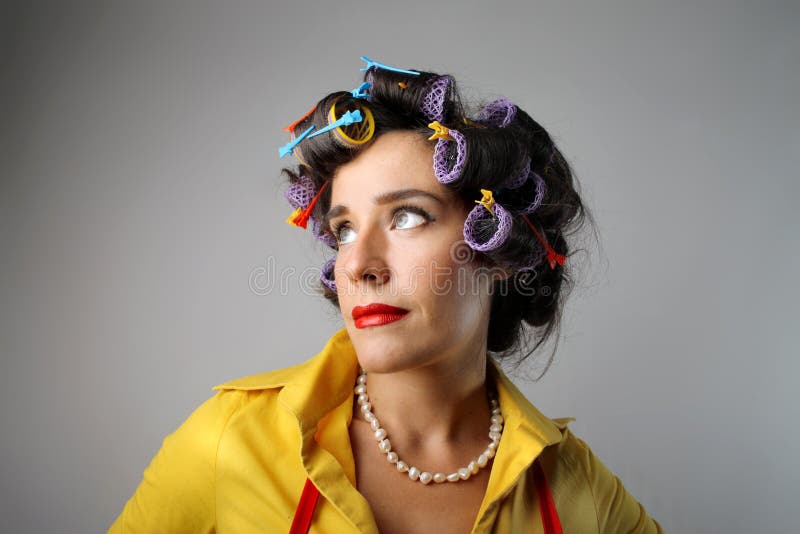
{"x": 573, "y": 470}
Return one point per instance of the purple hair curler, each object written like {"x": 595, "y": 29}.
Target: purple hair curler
{"x": 319, "y": 233}
{"x": 517, "y": 182}
{"x": 448, "y": 166}
{"x": 485, "y": 232}
{"x": 436, "y": 97}
{"x": 541, "y": 189}
{"x": 301, "y": 192}
{"x": 533, "y": 259}
{"x": 499, "y": 113}
{"x": 326, "y": 276}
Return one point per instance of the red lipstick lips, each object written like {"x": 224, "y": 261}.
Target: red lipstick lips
{"x": 377, "y": 314}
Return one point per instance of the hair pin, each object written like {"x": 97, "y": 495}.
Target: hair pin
{"x": 288, "y": 147}
{"x": 402, "y": 85}
{"x": 552, "y": 256}
{"x": 439, "y": 131}
{"x": 358, "y": 92}
{"x": 300, "y": 217}
{"x": 292, "y": 126}
{"x": 378, "y": 65}
{"x": 487, "y": 201}
{"x": 345, "y": 120}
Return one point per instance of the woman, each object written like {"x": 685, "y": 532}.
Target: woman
{"x": 450, "y": 237}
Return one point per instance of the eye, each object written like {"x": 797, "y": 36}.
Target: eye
{"x": 406, "y": 217}
{"x": 343, "y": 233}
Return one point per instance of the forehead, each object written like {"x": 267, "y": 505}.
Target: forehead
{"x": 396, "y": 160}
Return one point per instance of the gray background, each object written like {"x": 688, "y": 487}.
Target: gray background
{"x": 140, "y": 192}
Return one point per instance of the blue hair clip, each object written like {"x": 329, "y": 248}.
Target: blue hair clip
{"x": 288, "y": 147}
{"x": 345, "y": 120}
{"x": 358, "y": 92}
{"x": 375, "y": 64}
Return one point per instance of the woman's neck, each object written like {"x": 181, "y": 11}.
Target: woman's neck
{"x": 435, "y": 404}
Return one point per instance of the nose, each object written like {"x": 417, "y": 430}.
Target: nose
{"x": 363, "y": 262}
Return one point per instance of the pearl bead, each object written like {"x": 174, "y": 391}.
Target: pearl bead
{"x": 414, "y": 473}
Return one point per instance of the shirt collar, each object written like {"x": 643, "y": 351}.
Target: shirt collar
{"x": 314, "y": 388}
{"x": 325, "y": 383}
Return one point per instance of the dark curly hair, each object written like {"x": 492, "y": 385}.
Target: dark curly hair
{"x": 526, "y": 308}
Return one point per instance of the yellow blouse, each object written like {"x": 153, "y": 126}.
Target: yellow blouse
{"x": 239, "y": 462}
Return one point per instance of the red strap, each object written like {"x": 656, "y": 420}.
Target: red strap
{"x": 308, "y": 500}
{"x": 305, "y": 509}
{"x": 549, "y": 515}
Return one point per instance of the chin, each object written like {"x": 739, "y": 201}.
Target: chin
{"x": 383, "y": 356}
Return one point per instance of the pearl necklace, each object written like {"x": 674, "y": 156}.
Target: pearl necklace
{"x": 414, "y": 473}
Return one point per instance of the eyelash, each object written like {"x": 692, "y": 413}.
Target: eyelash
{"x": 337, "y": 228}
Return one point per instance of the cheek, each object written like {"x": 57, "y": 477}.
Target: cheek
{"x": 452, "y": 288}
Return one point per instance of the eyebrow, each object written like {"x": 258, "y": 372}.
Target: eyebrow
{"x": 383, "y": 198}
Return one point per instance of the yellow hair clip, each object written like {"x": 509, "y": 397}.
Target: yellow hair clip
{"x": 291, "y": 218}
{"x": 439, "y": 131}
{"x": 487, "y": 201}
{"x": 402, "y": 85}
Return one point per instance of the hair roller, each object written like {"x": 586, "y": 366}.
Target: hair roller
{"x": 435, "y": 99}
{"x": 499, "y": 113}
{"x": 533, "y": 259}
{"x": 522, "y": 177}
{"x": 326, "y": 276}
{"x": 319, "y": 232}
{"x": 300, "y": 193}
{"x": 541, "y": 189}
{"x": 485, "y": 232}
{"x": 358, "y": 133}
{"x": 449, "y": 157}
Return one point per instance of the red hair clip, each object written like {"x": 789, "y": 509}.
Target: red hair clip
{"x": 553, "y": 257}
{"x": 300, "y": 217}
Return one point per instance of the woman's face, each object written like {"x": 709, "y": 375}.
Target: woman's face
{"x": 400, "y": 236}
